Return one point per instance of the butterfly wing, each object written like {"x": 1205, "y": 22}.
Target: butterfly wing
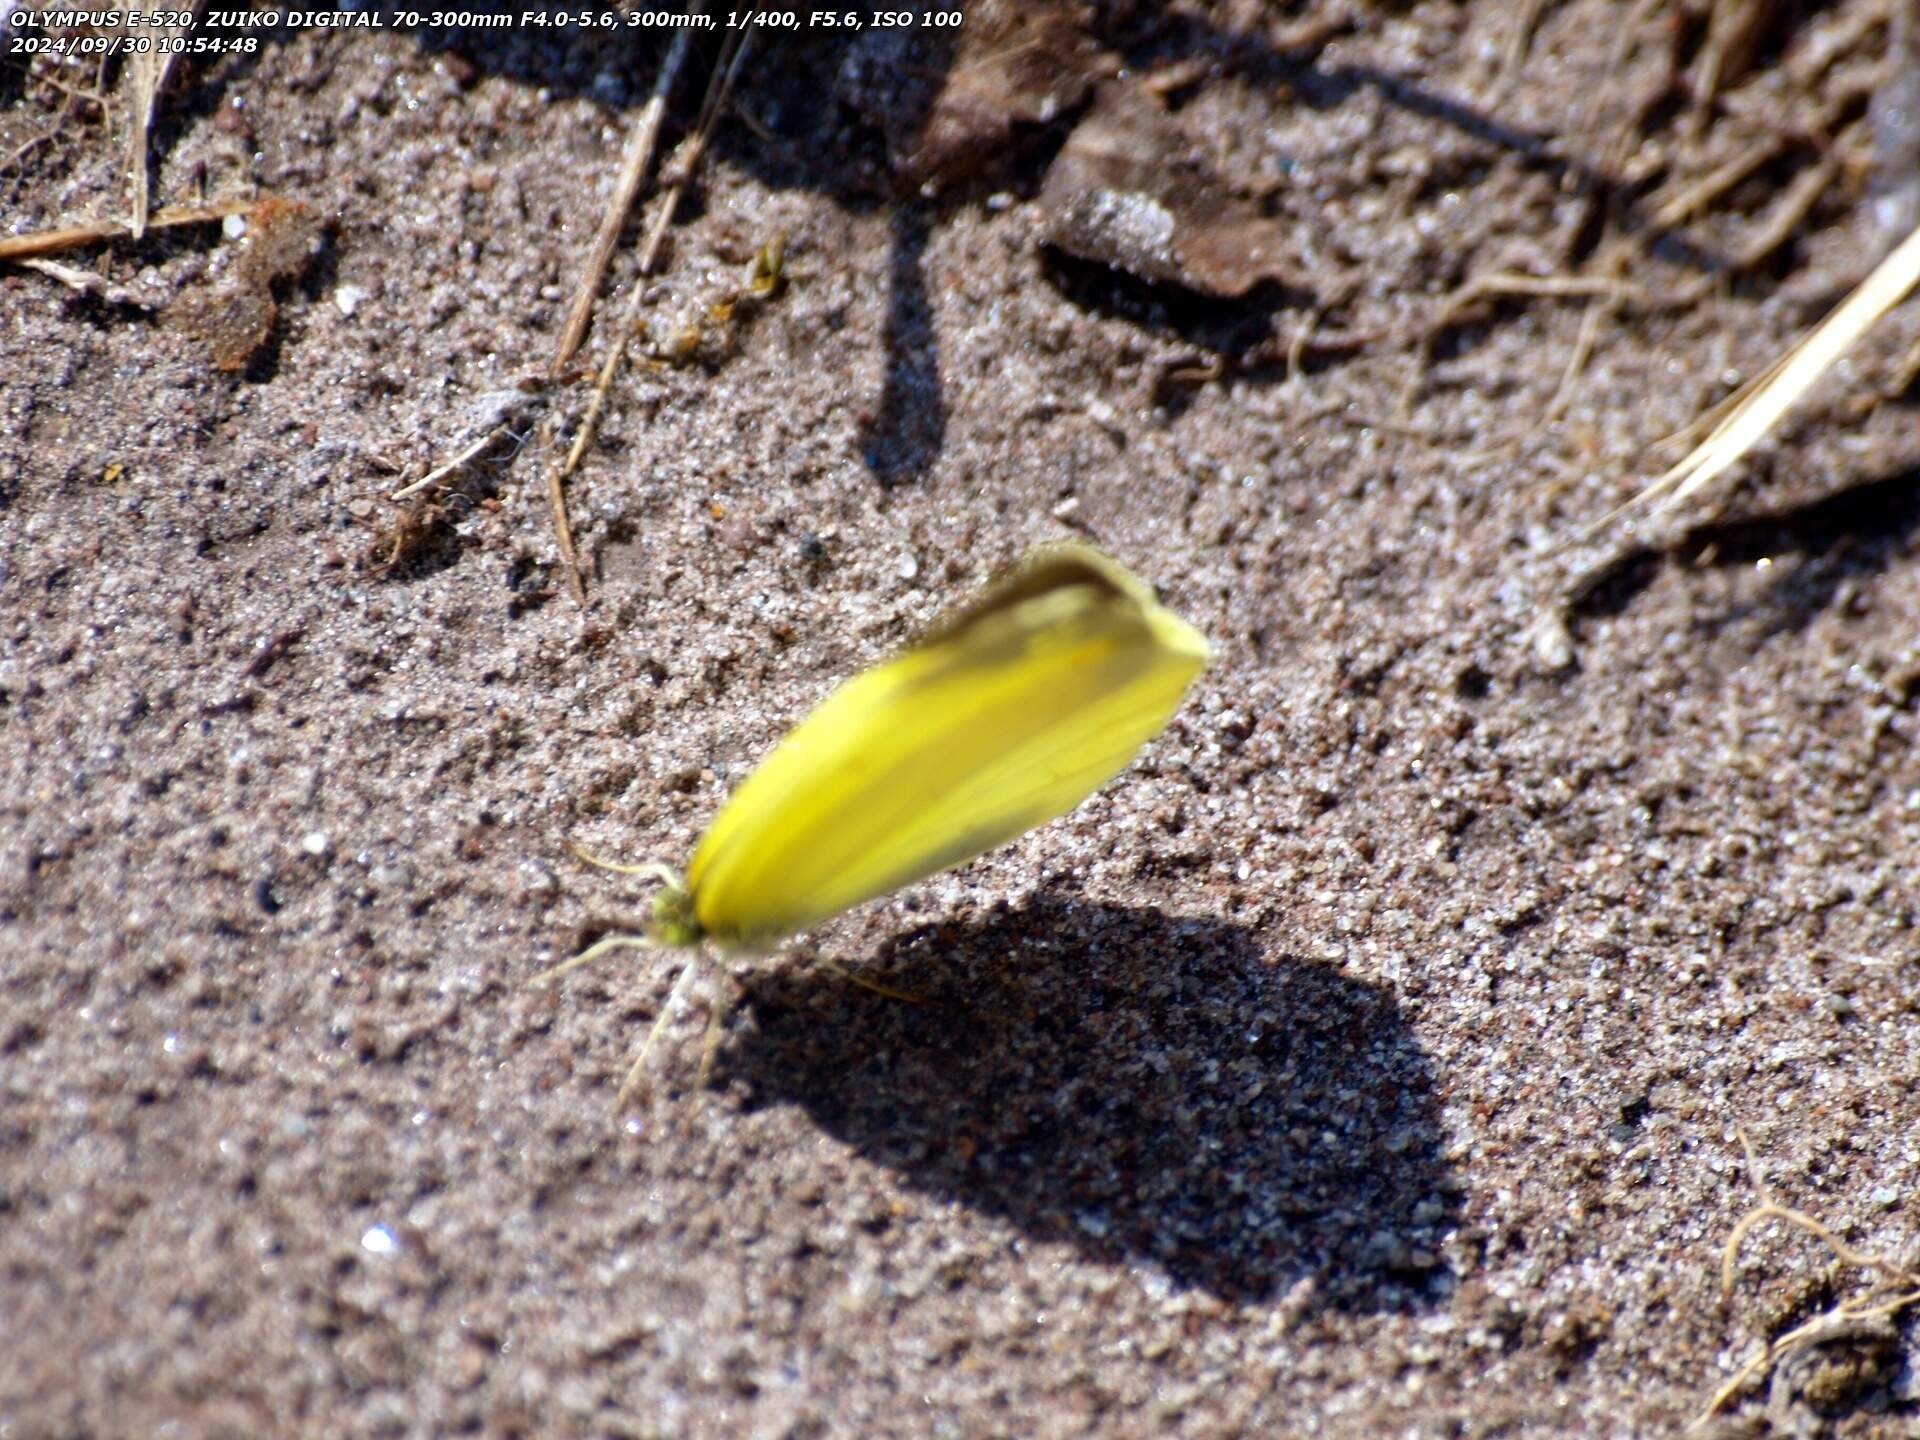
{"x": 1007, "y": 715}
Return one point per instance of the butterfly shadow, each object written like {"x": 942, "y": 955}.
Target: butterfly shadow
{"x": 1142, "y": 1087}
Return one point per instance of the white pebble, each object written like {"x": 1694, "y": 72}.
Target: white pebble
{"x": 316, "y": 842}
{"x": 378, "y": 1240}
{"x": 1552, "y": 642}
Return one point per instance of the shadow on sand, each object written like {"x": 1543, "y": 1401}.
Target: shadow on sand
{"x": 1144, "y": 1088}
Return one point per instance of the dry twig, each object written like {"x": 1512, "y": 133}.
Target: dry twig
{"x": 1484, "y": 287}
{"x": 1676, "y": 205}
{"x": 487, "y": 438}
{"x": 641, "y": 146}
{"x": 86, "y": 282}
{"x": 146, "y": 77}
{"x": 73, "y": 237}
{"x": 1514, "y": 53}
{"x": 1757, "y": 408}
{"x": 726, "y": 69}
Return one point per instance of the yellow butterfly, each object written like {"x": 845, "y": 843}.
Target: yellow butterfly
{"x": 1008, "y": 713}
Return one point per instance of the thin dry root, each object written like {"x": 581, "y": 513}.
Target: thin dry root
{"x": 1770, "y": 1207}
{"x": 1863, "y": 1315}
{"x": 1771, "y": 1210}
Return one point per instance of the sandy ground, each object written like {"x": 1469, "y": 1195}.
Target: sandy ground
{"x": 1370, "y": 1059}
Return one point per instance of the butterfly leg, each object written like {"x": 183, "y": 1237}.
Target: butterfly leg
{"x": 674, "y": 999}
{"x": 836, "y": 968}
{"x": 606, "y": 945}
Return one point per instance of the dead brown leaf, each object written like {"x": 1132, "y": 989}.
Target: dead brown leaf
{"x": 1016, "y": 65}
{"x": 1129, "y": 190}
{"x": 947, "y": 116}
{"x": 236, "y": 320}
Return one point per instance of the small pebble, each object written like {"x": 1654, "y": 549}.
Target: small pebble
{"x": 378, "y": 1240}
{"x": 316, "y": 842}
{"x": 347, "y": 298}
{"x": 1552, "y": 642}
{"x": 234, "y": 226}
{"x": 537, "y": 881}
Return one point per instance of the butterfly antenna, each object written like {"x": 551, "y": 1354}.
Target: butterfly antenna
{"x": 657, "y": 869}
